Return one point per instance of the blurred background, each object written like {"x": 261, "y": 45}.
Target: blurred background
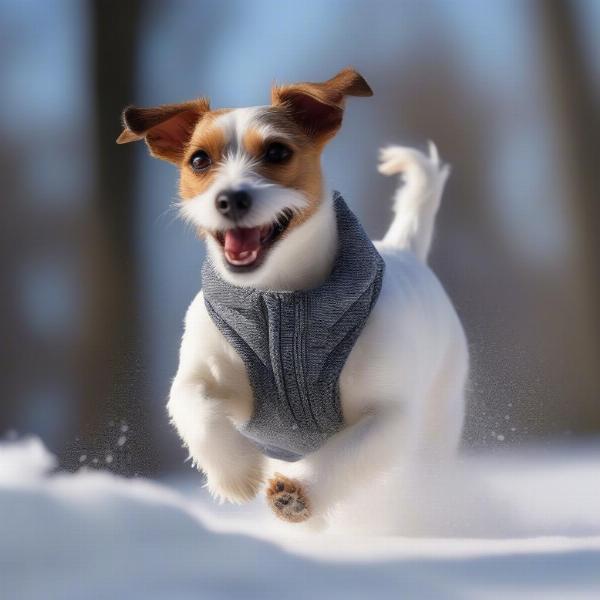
{"x": 97, "y": 271}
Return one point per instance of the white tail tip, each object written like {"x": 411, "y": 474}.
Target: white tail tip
{"x": 417, "y": 200}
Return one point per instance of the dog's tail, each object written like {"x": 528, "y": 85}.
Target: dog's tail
{"x": 418, "y": 198}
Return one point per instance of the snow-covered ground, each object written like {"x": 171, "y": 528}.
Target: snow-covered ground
{"x": 520, "y": 524}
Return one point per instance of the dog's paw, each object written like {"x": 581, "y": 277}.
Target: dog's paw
{"x": 237, "y": 490}
{"x": 287, "y": 500}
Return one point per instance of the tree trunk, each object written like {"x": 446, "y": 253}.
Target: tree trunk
{"x": 577, "y": 124}
{"x": 112, "y": 383}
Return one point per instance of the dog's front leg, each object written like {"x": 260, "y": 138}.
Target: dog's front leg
{"x": 233, "y": 466}
{"x": 349, "y": 459}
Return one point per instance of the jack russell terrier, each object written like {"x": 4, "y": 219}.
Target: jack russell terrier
{"x": 313, "y": 360}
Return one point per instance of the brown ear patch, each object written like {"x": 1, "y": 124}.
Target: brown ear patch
{"x": 166, "y": 129}
{"x": 350, "y": 83}
{"x": 318, "y": 108}
{"x": 317, "y": 116}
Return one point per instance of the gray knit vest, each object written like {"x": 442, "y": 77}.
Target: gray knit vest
{"x": 294, "y": 344}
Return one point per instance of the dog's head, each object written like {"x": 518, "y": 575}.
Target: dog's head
{"x": 249, "y": 177}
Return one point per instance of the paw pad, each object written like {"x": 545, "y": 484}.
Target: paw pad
{"x": 287, "y": 500}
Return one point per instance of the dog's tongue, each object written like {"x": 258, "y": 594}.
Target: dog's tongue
{"x": 242, "y": 240}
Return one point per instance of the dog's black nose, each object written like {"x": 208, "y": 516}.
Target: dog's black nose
{"x": 233, "y": 205}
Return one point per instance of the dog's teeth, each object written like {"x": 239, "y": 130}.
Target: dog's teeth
{"x": 243, "y": 258}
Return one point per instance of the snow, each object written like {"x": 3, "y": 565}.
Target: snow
{"x": 519, "y": 524}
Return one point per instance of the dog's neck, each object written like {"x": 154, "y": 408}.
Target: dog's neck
{"x": 304, "y": 257}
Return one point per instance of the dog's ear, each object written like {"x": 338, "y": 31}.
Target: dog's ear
{"x": 166, "y": 129}
{"x": 319, "y": 107}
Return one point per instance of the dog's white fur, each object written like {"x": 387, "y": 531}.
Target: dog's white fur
{"x": 402, "y": 387}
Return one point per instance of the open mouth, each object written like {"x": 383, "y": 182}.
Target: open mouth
{"x": 244, "y": 248}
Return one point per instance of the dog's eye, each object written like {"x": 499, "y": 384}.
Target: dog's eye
{"x": 200, "y": 161}
{"x": 277, "y": 153}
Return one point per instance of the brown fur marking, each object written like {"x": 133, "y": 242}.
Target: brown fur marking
{"x": 254, "y": 142}
{"x": 205, "y": 137}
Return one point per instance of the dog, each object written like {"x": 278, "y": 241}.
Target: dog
{"x": 251, "y": 183}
